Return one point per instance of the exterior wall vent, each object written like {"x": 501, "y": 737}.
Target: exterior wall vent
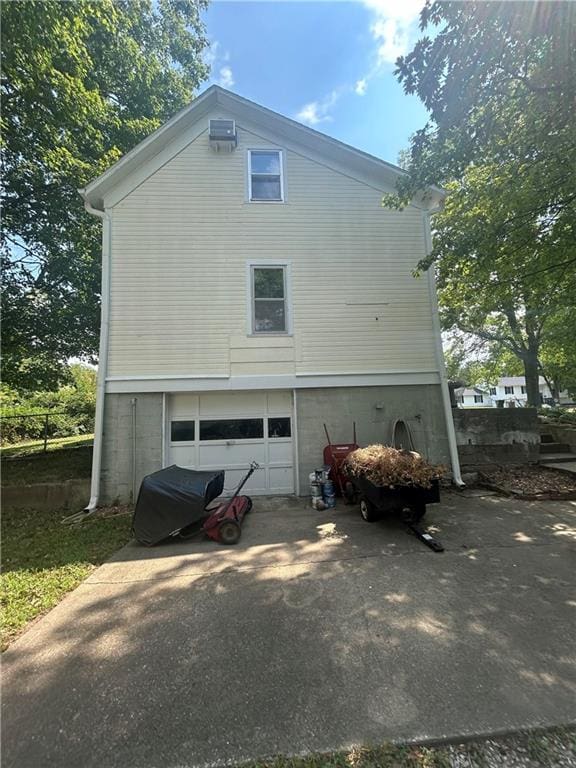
{"x": 222, "y": 135}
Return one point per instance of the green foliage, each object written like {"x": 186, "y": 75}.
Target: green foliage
{"x": 499, "y": 80}
{"x": 82, "y": 83}
{"x": 561, "y": 415}
{"x": 72, "y": 408}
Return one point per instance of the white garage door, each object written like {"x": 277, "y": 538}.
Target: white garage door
{"x": 228, "y": 430}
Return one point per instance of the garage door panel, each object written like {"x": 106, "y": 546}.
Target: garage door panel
{"x": 280, "y": 452}
{"x": 281, "y": 480}
{"x": 280, "y": 403}
{"x": 256, "y": 483}
{"x": 183, "y": 405}
{"x": 183, "y": 455}
{"x": 240, "y": 455}
{"x": 232, "y": 404}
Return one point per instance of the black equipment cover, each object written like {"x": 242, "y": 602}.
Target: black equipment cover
{"x": 171, "y": 499}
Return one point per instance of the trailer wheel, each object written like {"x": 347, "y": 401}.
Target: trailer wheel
{"x": 229, "y": 532}
{"x": 368, "y": 511}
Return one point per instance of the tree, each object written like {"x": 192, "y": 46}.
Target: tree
{"x": 500, "y": 287}
{"x": 82, "y": 83}
{"x": 499, "y": 80}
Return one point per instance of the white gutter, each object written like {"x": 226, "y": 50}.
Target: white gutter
{"x": 102, "y": 354}
{"x": 453, "y": 447}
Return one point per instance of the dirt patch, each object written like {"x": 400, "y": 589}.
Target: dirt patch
{"x": 530, "y": 482}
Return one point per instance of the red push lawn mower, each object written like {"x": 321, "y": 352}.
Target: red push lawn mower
{"x": 174, "y": 503}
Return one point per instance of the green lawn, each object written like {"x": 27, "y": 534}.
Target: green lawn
{"x": 37, "y": 446}
{"x": 65, "y": 463}
{"x": 43, "y": 559}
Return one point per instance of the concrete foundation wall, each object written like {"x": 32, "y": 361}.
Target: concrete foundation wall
{"x": 496, "y": 436}
{"x": 374, "y": 409}
{"x": 116, "y": 478}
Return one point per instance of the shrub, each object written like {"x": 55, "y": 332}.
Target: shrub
{"x": 71, "y": 409}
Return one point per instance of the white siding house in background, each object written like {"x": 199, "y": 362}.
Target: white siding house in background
{"x": 510, "y": 390}
{"x": 251, "y": 295}
{"x": 472, "y": 397}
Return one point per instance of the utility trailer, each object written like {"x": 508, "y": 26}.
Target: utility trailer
{"x": 408, "y": 502}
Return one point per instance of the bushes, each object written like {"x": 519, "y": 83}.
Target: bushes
{"x": 562, "y": 415}
{"x": 71, "y": 409}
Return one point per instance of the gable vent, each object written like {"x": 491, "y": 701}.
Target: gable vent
{"x": 222, "y": 135}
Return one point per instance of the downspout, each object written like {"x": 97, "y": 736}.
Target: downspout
{"x": 133, "y": 403}
{"x": 102, "y": 354}
{"x": 453, "y": 447}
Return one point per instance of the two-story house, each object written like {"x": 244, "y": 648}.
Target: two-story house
{"x": 253, "y": 290}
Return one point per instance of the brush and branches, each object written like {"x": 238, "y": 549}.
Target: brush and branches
{"x": 390, "y": 467}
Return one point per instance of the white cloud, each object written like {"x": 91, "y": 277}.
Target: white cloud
{"x": 217, "y": 60}
{"x": 211, "y": 53}
{"x": 392, "y": 26}
{"x": 226, "y": 79}
{"x": 316, "y": 112}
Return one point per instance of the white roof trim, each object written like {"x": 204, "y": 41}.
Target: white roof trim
{"x": 216, "y": 96}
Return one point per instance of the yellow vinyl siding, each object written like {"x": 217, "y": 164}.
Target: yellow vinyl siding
{"x": 180, "y": 245}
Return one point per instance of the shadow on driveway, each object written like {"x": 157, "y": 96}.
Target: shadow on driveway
{"x": 316, "y": 632}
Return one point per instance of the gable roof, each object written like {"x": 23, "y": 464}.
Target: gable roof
{"x": 216, "y": 96}
{"x": 469, "y": 391}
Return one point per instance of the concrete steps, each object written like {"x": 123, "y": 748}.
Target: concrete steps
{"x": 554, "y": 448}
{"x": 552, "y": 452}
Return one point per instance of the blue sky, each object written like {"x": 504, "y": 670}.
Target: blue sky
{"x": 328, "y": 64}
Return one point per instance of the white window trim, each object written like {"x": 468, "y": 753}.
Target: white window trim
{"x": 249, "y": 174}
{"x": 287, "y": 265}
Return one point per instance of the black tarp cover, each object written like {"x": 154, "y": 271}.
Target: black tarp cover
{"x": 171, "y": 499}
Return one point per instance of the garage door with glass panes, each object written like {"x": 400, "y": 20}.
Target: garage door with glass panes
{"x": 229, "y": 430}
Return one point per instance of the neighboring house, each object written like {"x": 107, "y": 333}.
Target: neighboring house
{"x": 512, "y": 390}
{"x": 472, "y": 397}
{"x": 253, "y": 290}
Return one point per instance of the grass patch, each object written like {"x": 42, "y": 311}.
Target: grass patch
{"x": 55, "y": 466}
{"x": 37, "y": 446}
{"x": 553, "y": 747}
{"x": 42, "y": 560}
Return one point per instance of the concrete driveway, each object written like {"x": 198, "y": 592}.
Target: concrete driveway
{"x": 317, "y": 632}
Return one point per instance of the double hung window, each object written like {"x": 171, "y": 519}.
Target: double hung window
{"x": 265, "y": 182}
{"x": 269, "y": 299}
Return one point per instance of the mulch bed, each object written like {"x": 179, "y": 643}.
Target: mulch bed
{"x": 531, "y": 482}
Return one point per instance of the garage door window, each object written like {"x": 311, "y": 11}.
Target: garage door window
{"x": 182, "y": 431}
{"x": 279, "y": 427}
{"x": 231, "y": 429}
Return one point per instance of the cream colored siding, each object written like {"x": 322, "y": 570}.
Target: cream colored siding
{"x": 181, "y": 242}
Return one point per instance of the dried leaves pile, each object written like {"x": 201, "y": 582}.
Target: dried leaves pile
{"x": 389, "y": 467}
{"x": 531, "y": 480}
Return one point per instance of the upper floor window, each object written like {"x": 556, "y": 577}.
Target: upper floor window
{"x": 508, "y": 390}
{"x": 265, "y": 180}
{"x": 492, "y": 390}
{"x": 269, "y": 299}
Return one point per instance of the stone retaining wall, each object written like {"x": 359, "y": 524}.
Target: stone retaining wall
{"x": 69, "y": 495}
{"x": 488, "y": 436}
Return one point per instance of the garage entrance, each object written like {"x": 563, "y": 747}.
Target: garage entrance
{"x": 228, "y": 430}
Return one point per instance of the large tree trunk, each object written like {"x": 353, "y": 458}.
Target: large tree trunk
{"x": 531, "y": 372}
